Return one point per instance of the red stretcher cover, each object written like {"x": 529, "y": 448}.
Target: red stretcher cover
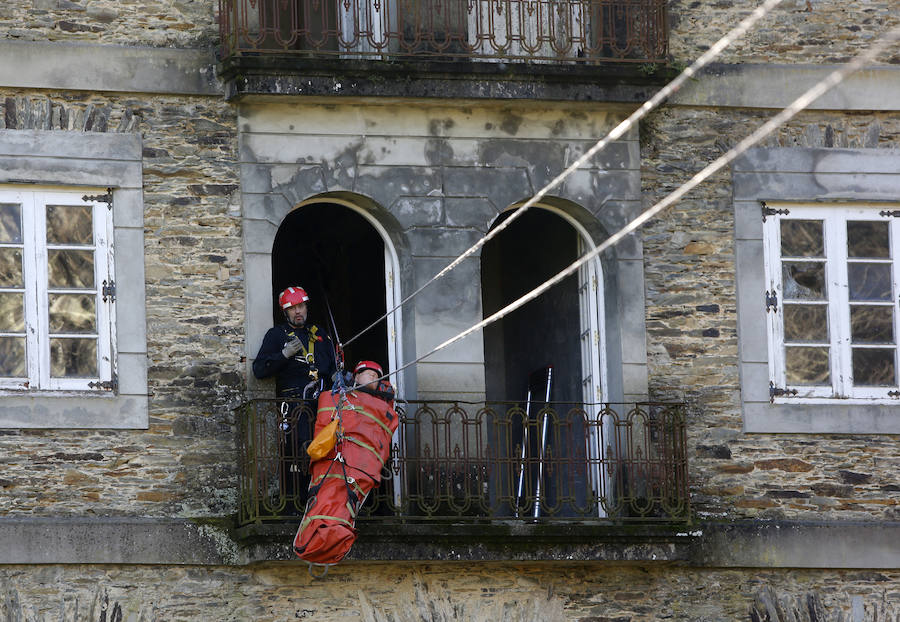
{"x": 338, "y": 487}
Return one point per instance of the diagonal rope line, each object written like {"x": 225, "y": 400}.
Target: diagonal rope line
{"x": 617, "y": 132}
{"x": 786, "y": 114}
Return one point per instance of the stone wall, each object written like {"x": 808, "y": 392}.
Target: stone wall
{"x": 692, "y": 330}
{"x": 797, "y": 31}
{"x": 441, "y": 593}
{"x": 184, "y": 463}
{"x": 158, "y": 23}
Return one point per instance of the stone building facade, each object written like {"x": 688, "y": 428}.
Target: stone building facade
{"x": 119, "y": 503}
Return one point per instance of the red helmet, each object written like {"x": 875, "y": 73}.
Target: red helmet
{"x": 292, "y": 296}
{"x": 363, "y": 365}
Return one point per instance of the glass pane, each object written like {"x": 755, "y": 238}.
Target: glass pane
{"x": 805, "y": 365}
{"x": 70, "y": 224}
{"x": 806, "y": 323}
{"x": 12, "y": 357}
{"x": 12, "y": 312}
{"x": 802, "y": 238}
{"x": 10, "y": 223}
{"x": 873, "y": 367}
{"x": 73, "y": 313}
{"x": 874, "y": 325}
{"x": 803, "y": 281}
{"x": 866, "y": 238}
{"x": 73, "y": 358}
{"x": 11, "y": 267}
{"x": 69, "y": 268}
{"x": 869, "y": 281}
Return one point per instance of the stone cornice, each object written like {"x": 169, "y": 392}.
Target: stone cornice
{"x": 169, "y": 541}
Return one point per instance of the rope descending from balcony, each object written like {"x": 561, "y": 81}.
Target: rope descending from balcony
{"x": 786, "y": 114}
{"x": 617, "y": 132}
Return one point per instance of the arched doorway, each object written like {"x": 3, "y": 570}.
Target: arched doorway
{"x": 554, "y": 328}
{"x": 339, "y": 253}
{"x": 562, "y": 329}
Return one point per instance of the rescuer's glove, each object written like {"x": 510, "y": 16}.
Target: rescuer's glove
{"x": 291, "y": 348}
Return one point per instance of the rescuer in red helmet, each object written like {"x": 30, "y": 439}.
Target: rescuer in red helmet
{"x": 301, "y": 357}
{"x": 296, "y": 354}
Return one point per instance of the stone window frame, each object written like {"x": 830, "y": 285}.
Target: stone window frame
{"x": 801, "y": 176}
{"x": 74, "y": 161}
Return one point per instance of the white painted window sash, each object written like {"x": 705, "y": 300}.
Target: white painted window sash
{"x": 849, "y": 389}
{"x": 37, "y": 291}
{"x": 834, "y": 221}
{"x": 25, "y": 202}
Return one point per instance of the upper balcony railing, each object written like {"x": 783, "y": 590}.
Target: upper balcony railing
{"x": 549, "y": 31}
{"x": 461, "y": 461}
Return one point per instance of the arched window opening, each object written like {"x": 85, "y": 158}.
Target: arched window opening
{"x": 334, "y": 253}
{"x": 556, "y": 445}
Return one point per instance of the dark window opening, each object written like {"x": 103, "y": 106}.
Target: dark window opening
{"x": 544, "y": 332}
{"x": 330, "y": 250}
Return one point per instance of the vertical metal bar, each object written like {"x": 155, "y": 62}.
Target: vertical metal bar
{"x": 521, "y": 485}
{"x": 540, "y": 477}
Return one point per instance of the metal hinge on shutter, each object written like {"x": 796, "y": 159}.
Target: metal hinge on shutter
{"x": 894, "y": 213}
{"x": 101, "y": 198}
{"x": 768, "y": 211}
{"x": 107, "y": 385}
{"x": 109, "y": 290}
{"x": 894, "y": 394}
{"x": 771, "y": 301}
{"x": 778, "y": 392}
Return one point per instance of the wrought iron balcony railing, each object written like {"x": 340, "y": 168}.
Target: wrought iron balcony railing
{"x": 578, "y": 31}
{"x": 461, "y": 461}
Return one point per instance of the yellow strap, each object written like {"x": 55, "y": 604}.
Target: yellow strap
{"x": 311, "y": 346}
{"x": 375, "y": 419}
{"x": 340, "y": 477}
{"x": 312, "y": 341}
{"x": 364, "y": 446}
{"x": 309, "y": 519}
{"x": 362, "y": 411}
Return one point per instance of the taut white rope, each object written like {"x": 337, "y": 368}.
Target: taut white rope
{"x": 795, "y": 107}
{"x": 617, "y": 132}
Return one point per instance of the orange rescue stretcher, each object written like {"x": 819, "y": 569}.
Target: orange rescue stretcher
{"x": 342, "y": 479}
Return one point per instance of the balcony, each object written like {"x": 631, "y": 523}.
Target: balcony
{"x": 490, "y": 463}
{"x": 575, "y": 31}
{"x": 586, "y": 50}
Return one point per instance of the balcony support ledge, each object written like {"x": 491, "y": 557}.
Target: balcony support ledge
{"x": 280, "y": 76}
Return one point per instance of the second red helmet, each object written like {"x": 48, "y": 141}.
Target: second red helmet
{"x": 362, "y": 365}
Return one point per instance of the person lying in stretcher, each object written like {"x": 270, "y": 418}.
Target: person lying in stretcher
{"x": 366, "y": 376}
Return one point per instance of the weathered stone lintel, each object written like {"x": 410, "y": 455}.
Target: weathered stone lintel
{"x": 750, "y": 544}
{"x": 798, "y": 544}
{"x": 775, "y": 86}
{"x": 91, "y": 67}
{"x": 113, "y": 541}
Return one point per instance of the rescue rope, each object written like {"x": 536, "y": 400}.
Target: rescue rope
{"x": 786, "y": 114}
{"x": 617, "y": 132}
